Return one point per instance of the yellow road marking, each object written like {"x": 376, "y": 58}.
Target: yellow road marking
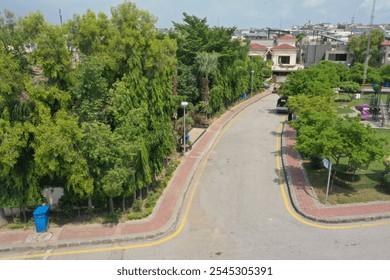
{"x": 293, "y": 213}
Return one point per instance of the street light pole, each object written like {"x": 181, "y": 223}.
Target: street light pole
{"x": 184, "y": 105}
{"x": 252, "y": 81}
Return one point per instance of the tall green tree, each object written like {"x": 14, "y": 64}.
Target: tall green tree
{"x": 109, "y": 160}
{"x": 90, "y": 91}
{"x": 232, "y": 74}
{"x": 323, "y": 134}
{"x": 31, "y": 26}
{"x": 385, "y": 72}
{"x": 192, "y": 39}
{"x": 356, "y": 74}
{"x": 207, "y": 64}
{"x": 357, "y": 47}
{"x": 89, "y": 33}
{"x": 57, "y": 156}
{"x": 54, "y": 56}
{"x": 317, "y": 80}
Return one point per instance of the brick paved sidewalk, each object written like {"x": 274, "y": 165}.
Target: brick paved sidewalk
{"x": 305, "y": 201}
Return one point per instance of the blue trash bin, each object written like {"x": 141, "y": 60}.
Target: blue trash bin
{"x": 243, "y": 95}
{"x": 187, "y": 137}
{"x": 41, "y": 218}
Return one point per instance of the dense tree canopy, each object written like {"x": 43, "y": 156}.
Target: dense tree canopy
{"x": 219, "y": 65}
{"x": 88, "y": 106}
{"x": 321, "y": 132}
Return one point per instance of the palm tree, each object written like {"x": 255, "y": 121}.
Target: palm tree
{"x": 207, "y": 63}
{"x": 376, "y": 57}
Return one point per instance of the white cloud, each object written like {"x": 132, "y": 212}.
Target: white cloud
{"x": 313, "y": 3}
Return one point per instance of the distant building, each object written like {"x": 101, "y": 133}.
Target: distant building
{"x": 338, "y": 54}
{"x": 282, "y": 52}
{"x": 385, "y": 47}
{"x": 324, "y": 41}
{"x": 285, "y": 58}
{"x": 259, "y": 50}
{"x": 287, "y": 39}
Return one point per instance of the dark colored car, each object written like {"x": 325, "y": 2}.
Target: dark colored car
{"x": 281, "y": 105}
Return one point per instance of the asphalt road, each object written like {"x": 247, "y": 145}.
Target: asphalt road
{"x": 238, "y": 212}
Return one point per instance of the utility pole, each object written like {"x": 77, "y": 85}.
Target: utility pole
{"x": 59, "y": 11}
{"x": 368, "y": 46}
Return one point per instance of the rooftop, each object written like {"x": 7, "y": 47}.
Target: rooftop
{"x": 284, "y": 47}
{"x": 287, "y": 38}
{"x": 386, "y": 43}
{"x": 257, "y": 47}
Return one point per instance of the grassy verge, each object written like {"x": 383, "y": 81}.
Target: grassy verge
{"x": 364, "y": 186}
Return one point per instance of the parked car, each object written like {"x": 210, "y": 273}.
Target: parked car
{"x": 281, "y": 105}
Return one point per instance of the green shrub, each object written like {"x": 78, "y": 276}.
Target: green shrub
{"x": 386, "y": 163}
{"x": 386, "y": 180}
{"x": 151, "y": 199}
{"x": 137, "y": 206}
{"x": 134, "y": 216}
{"x": 111, "y": 219}
{"x": 16, "y": 225}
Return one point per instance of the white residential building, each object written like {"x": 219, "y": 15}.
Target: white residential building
{"x": 283, "y": 54}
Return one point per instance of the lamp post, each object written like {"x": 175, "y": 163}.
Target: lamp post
{"x": 252, "y": 81}
{"x": 184, "y": 104}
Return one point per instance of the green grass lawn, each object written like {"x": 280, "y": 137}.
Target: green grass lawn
{"x": 365, "y": 185}
{"x": 344, "y": 103}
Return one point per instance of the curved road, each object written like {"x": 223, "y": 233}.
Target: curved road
{"x": 238, "y": 211}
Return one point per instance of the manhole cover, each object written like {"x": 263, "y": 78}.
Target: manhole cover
{"x": 44, "y": 236}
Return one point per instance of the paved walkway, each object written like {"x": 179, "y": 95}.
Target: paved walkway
{"x": 166, "y": 215}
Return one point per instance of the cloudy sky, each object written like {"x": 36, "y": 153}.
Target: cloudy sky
{"x": 239, "y": 13}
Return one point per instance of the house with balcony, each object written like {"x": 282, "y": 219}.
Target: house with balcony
{"x": 285, "y": 59}
{"x": 282, "y": 54}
